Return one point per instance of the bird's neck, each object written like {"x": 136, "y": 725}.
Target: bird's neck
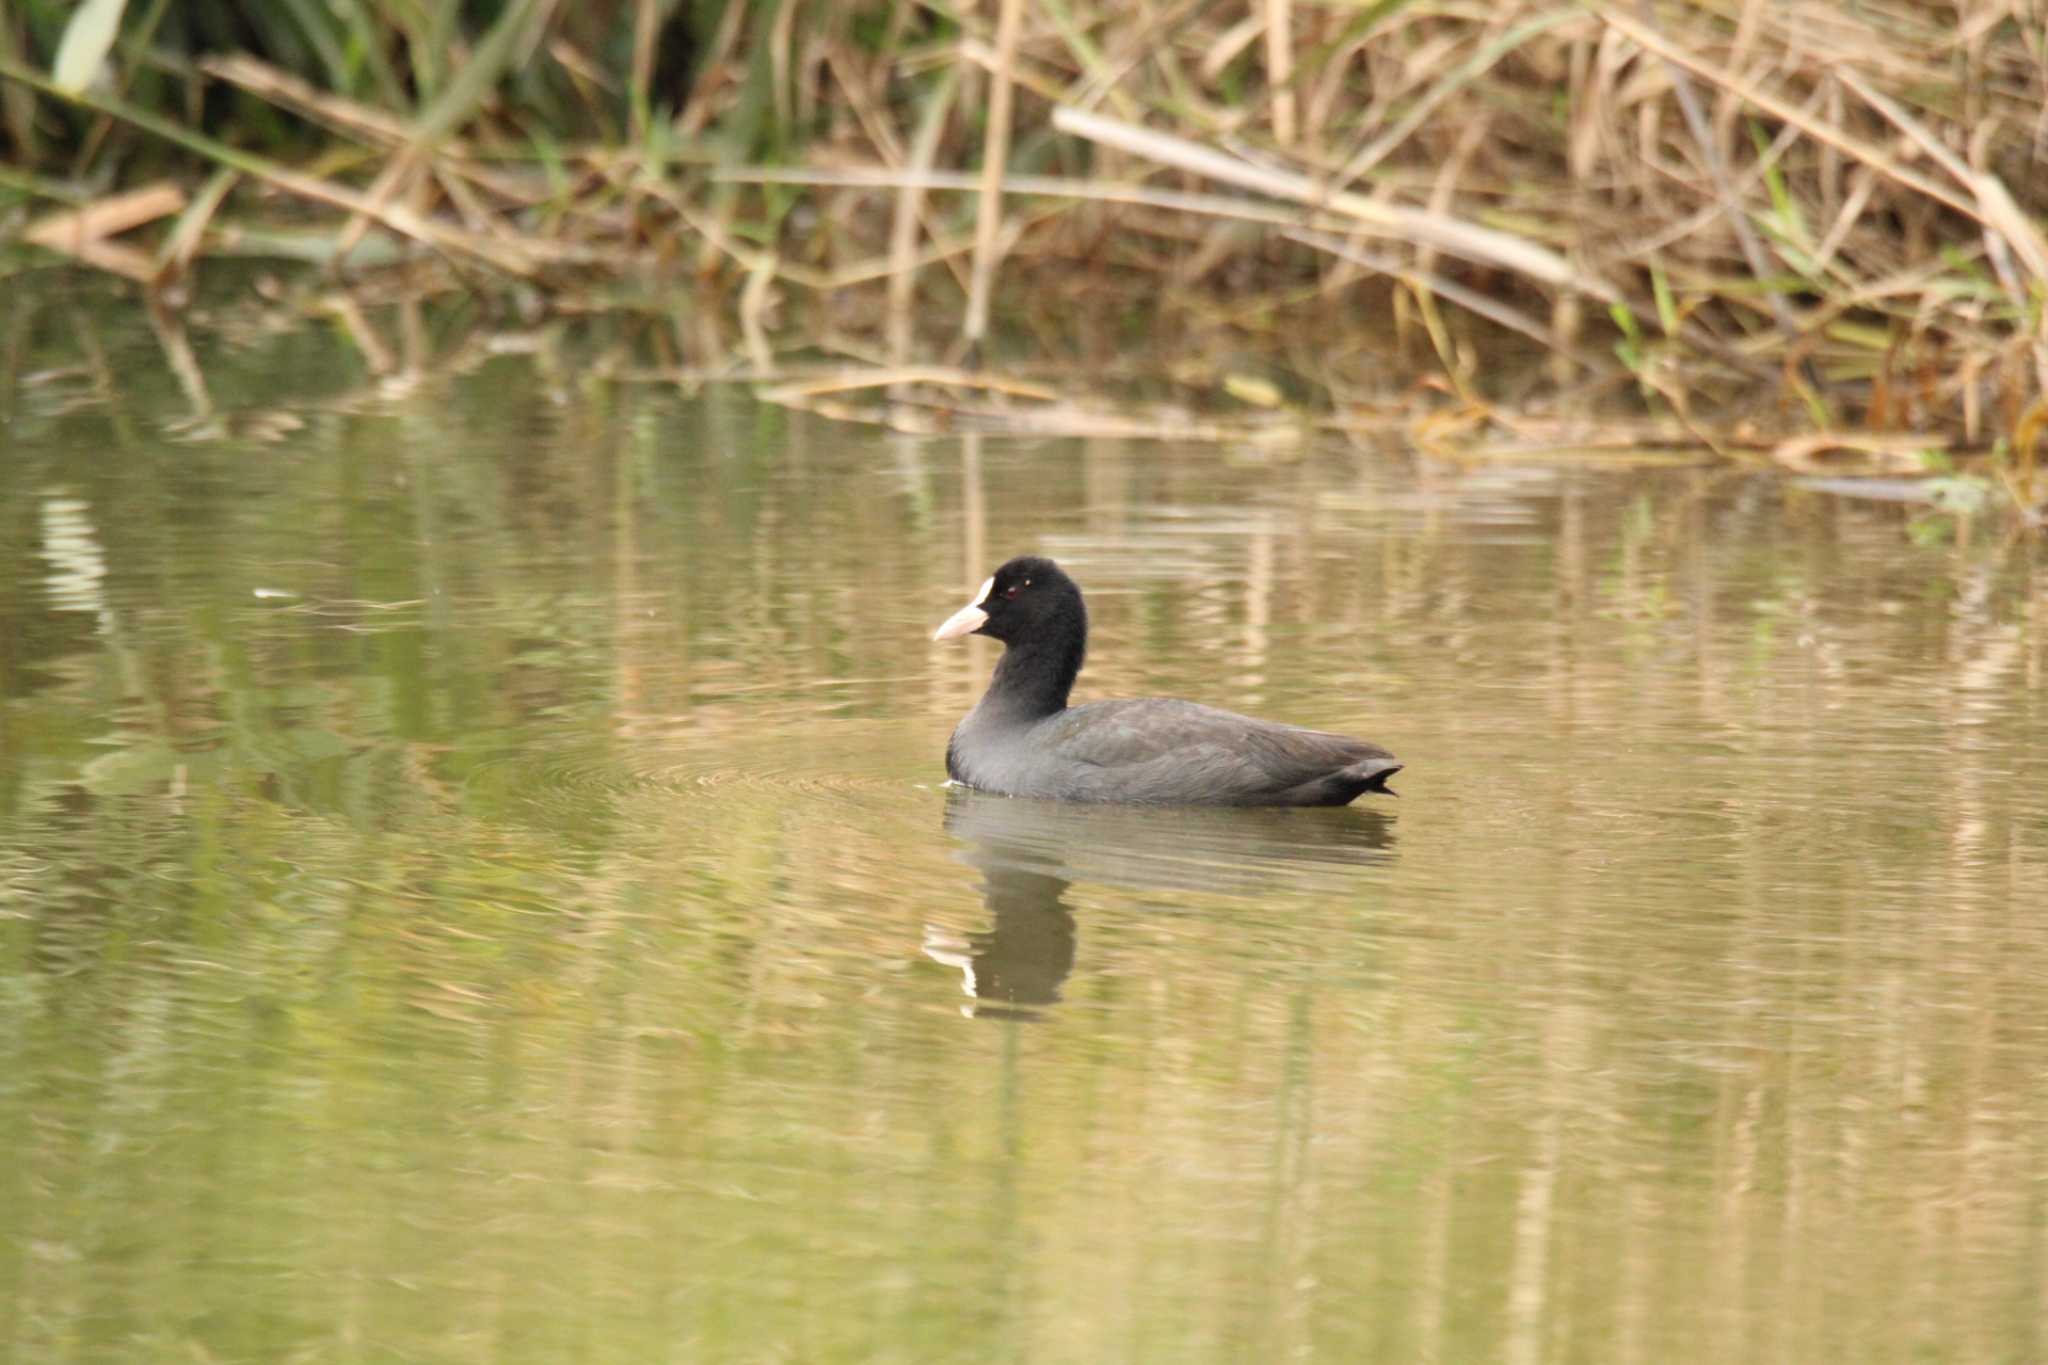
{"x": 1033, "y": 679}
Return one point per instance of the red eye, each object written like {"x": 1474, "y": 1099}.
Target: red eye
{"x": 1012, "y": 591}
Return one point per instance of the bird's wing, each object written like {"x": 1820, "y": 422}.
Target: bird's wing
{"x": 1131, "y": 740}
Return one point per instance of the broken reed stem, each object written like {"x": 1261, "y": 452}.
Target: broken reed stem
{"x": 82, "y": 233}
{"x": 995, "y": 154}
{"x": 107, "y": 217}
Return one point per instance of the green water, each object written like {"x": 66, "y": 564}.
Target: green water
{"x": 476, "y": 884}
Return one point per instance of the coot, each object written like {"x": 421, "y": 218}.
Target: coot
{"x": 1022, "y": 739}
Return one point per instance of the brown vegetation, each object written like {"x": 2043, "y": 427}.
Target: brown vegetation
{"x": 1804, "y": 229}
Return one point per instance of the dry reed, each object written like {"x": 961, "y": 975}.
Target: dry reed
{"x": 1778, "y": 227}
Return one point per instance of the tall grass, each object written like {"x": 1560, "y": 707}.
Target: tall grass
{"x": 1759, "y": 218}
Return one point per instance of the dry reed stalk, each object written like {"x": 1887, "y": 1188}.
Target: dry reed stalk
{"x": 1858, "y": 452}
{"x": 1067, "y": 420}
{"x": 394, "y": 182}
{"x": 943, "y": 251}
{"x": 1717, "y": 174}
{"x": 348, "y": 117}
{"x": 181, "y": 248}
{"x": 1673, "y": 230}
{"x": 873, "y": 120}
{"x": 1050, "y": 86}
{"x": 115, "y": 258}
{"x": 1687, "y": 454}
{"x": 345, "y": 309}
{"x": 1451, "y": 235}
{"x": 454, "y": 103}
{"x": 363, "y": 123}
{"x": 717, "y": 240}
{"x": 843, "y": 380}
{"x": 698, "y": 111}
{"x": 1454, "y": 83}
{"x": 18, "y": 102}
{"x": 888, "y": 146}
{"x": 117, "y": 213}
{"x": 646, "y": 28}
{"x": 1817, "y": 128}
{"x": 1136, "y": 47}
{"x": 1280, "y": 69}
{"x": 1504, "y": 314}
{"x": 1227, "y": 46}
{"x": 995, "y": 154}
{"x": 81, "y": 233}
{"x": 909, "y": 209}
{"x": 512, "y": 258}
{"x": 1994, "y": 204}
{"x": 756, "y": 297}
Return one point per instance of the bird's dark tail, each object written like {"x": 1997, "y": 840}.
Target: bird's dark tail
{"x": 1375, "y": 772}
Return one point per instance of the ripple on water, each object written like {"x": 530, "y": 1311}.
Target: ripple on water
{"x": 841, "y": 766}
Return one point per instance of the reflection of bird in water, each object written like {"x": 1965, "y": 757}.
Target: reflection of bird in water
{"x": 1021, "y": 960}
{"x": 1030, "y": 852}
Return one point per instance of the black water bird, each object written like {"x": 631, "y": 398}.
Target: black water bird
{"x": 1022, "y": 739}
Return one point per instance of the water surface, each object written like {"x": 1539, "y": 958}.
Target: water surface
{"x": 476, "y": 884}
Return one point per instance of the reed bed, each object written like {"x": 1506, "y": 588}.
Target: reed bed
{"x": 1808, "y": 232}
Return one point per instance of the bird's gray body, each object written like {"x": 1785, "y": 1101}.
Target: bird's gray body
{"x": 1161, "y": 751}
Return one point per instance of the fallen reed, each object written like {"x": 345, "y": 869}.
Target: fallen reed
{"x": 1807, "y": 229}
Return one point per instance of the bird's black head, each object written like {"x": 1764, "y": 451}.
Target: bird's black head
{"x": 1028, "y": 599}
